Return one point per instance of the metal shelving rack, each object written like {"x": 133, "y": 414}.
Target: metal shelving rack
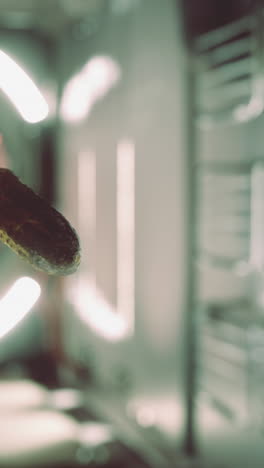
{"x": 225, "y": 324}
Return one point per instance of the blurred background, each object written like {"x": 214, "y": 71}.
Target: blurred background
{"x": 142, "y": 122}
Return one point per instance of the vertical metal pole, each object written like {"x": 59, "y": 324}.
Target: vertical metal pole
{"x": 190, "y": 446}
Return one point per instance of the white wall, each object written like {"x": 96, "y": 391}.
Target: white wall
{"x": 147, "y": 107}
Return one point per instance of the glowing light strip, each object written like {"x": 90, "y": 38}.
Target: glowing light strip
{"x": 96, "y": 311}
{"x": 17, "y": 302}
{"x": 21, "y": 90}
{"x": 126, "y": 231}
{"x": 85, "y": 88}
{"x": 111, "y": 323}
{"x": 91, "y": 305}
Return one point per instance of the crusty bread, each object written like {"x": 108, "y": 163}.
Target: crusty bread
{"x": 35, "y": 230}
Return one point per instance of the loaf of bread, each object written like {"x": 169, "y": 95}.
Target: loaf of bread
{"x": 35, "y": 230}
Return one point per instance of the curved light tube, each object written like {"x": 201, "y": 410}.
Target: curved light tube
{"x": 98, "y": 313}
{"x": 85, "y": 88}
{"x": 17, "y": 302}
{"x": 21, "y": 90}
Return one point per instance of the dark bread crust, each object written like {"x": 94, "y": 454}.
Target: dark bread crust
{"x": 35, "y": 230}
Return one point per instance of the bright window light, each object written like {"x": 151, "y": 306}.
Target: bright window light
{"x": 92, "y": 83}
{"x": 17, "y": 303}
{"x": 21, "y": 90}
